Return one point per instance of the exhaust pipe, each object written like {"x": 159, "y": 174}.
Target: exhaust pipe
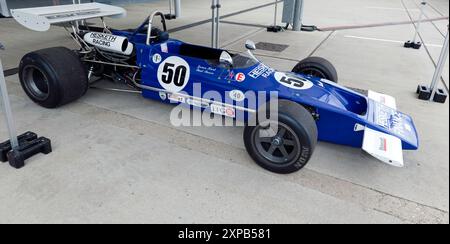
{"x": 108, "y": 42}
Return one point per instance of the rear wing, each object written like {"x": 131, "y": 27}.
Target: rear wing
{"x": 41, "y": 18}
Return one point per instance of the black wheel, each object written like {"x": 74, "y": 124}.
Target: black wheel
{"x": 289, "y": 148}
{"x": 317, "y": 67}
{"x": 53, "y": 77}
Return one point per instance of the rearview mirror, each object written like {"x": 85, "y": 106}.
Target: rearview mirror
{"x": 226, "y": 59}
{"x": 250, "y": 45}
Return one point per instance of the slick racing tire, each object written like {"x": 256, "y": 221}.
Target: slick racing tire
{"x": 283, "y": 145}
{"x": 317, "y": 67}
{"x": 53, "y": 77}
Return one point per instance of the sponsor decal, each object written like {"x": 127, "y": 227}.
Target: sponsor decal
{"x": 164, "y": 48}
{"x": 157, "y": 58}
{"x": 390, "y": 119}
{"x": 174, "y": 74}
{"x": 223, "y": 110}
{"x": 292, "y": 81}
{"x": 408, "y": 128}
{"x": 240, "y": 77}
{"x": 102, "y": 39}
{"x": 383, "y": 144}
{"x": 177, "y": 98}
{"x": 206, "y": 70}
{"x": 261, "y": 70}
{"x": 237, "y": 95}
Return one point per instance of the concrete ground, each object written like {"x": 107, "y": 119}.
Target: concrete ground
{"x": 117, "y": 158}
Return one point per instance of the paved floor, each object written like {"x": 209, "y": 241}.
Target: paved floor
{"x": 117, "y": 158}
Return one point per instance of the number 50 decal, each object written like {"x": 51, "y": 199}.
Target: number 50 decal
{"x": 292, "y": 81}
{"x": 173, "y": 74}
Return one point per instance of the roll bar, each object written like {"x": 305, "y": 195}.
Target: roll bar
{"x": 150, "y": 20}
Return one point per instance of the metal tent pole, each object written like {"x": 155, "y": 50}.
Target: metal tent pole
{"x": 7, "y": 109}
{"x": 218, "y": 6}
{"x": 4, "y": 8}
{"x": 276, "y": 13}
{"x": 440, "y": 67}
{"x": 432, "y": 92}
{"x": 275, "y": 28}
{"x": 422, "y": 9}
{"x": 213, "y": 21}
{"x": 18, "y": 148}
{"x": 177, "y": 8}
{"x": 298, "y": 15}
{"x": 414, "y": 43}
{"x": 170, "y": 15}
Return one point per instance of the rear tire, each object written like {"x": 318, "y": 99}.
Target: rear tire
{"x": 317, "y": 67}
{"x": 293, "y": 145}
{"x": 53, "y": 77}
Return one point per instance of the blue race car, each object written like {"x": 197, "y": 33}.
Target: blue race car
{"x": 282, "y": 126}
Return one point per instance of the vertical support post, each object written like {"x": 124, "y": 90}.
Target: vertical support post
{"x": 170, "y": 15}
{"x": 440, "y": 66}
{"x": 7, "y": 110}
{"x": 298, "y": 15}
{"x": 276, "y": 14}
{"x": 275, "y": 28}
{"x": 178, "y": 8}
{"x": 414, "y": 43}
{"x": 213, "y": 21}
{"x": 4, "y": 8}
{"x": 218, "y": 6}
{"x": 422, "y": 9}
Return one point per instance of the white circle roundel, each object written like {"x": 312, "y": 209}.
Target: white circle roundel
{"x": 173, "y": 74}
{"x": 293, "y": 81}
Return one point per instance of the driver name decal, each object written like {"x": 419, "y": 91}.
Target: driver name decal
{"x": 293, "y": 82}
{"x": 174, "y": 74}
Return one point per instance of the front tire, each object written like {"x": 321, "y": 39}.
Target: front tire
{"x": 290, "y": 148}
{"x": 53, "y": 77}
{"x": 317, "y": 67}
